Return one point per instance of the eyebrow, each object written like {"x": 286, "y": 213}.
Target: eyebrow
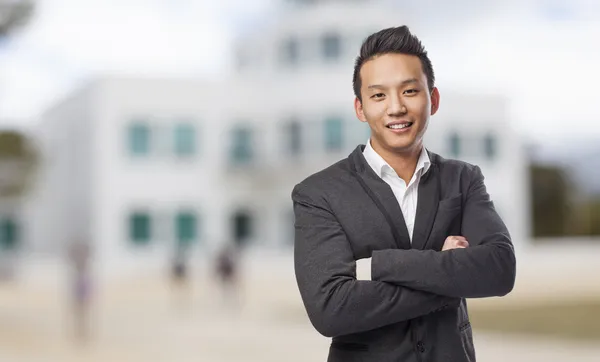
{"x": 404, "y": 82}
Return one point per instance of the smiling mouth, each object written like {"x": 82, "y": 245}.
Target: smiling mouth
{"x": 400, "y": 126}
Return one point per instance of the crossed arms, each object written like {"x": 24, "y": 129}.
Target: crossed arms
{"x": 406, "y": 283}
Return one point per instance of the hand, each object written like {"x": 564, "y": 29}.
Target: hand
{"x": 455, "y": 242}
{"x": 363, "y": 269}
{"x": 454, "y": 302}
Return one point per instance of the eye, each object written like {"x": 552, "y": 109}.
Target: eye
{"x": 411, "y": 91}
{"x": 378, "y": 96}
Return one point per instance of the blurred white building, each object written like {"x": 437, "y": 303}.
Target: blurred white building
{"x": 136, "y": 166}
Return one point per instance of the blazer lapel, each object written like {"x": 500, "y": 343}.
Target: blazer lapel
{"x": 382, "y": 195}
{"x": 427, "y": 205}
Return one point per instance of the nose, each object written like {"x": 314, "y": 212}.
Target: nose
{"x": 396, "y": 106}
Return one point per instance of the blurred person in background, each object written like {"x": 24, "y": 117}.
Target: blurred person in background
{"x": 391, "y": 240}
{"x": 227, "y": 273}
{"x": 79, "y": 256}
{"x": 180, "y": 275}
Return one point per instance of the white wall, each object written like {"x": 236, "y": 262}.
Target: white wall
{"x": 60, "y": 205}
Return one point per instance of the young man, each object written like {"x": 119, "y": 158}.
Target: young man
{"x": 424, "y": 226}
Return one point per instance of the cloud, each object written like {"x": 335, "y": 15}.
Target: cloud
{"x": 128, "y": 36}
{"x": 69, "y": 40}
{"x": 546, "y": 66}
{"x": 545, "y": 63}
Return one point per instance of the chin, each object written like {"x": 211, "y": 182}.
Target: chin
{"x": 402, "y": 145}
{"x": 402, "y": 149}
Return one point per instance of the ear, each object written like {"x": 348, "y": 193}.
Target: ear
{"x": 435, "y": 100}
{"x": 358, "y": 108}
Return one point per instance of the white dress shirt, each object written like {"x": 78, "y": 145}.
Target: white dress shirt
{"x": 407, "y": 195}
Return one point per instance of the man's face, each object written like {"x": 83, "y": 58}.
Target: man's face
{"x": 396, "y": 102}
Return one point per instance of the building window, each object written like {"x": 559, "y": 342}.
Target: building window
{"x": 454, "y": 145}
{"x": 140, "y": 228}
{"x": 293, "y": 138}
{"x": 243, "y": 227}
{"x": 490, "y": 146}
{"x": 186, "y": 228}
{"x": 8, "y": 234}
{"x": 241, "y": 149}
{"x": 290, "y": 51}
{"x": 139, "y": 139}
{"x": 185, "y": 140}
{"x": 331, "y": 46}
{"x": 333, "y": 134}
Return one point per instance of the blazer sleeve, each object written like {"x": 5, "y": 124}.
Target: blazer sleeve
{"x": 484, "y": 269}
{"x": 336, "y": 302}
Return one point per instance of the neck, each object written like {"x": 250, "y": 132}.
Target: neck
{"x": 404, "y": 163}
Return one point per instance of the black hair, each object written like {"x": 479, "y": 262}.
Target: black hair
{"x": 391, "y": 40}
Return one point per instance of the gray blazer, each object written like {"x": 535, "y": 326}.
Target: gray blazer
{"x": 414, "y": 307}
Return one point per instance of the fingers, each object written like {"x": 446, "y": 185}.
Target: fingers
{"x": 455, "y": 242}
{"x": 462, "y": 243}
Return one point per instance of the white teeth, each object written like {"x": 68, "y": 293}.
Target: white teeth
{"x": 399, "y": 126}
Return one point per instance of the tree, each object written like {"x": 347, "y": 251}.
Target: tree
{"x": 13, "y": 14}
{"x": 588, "y": 216}
{"x": 17, "y": 162}
{"x": 552, "y": 195}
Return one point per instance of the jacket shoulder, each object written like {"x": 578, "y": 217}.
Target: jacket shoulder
{"x": 326, "y": 179}
{"x": 452, "y": 164}
{"x": 465, "y": 171}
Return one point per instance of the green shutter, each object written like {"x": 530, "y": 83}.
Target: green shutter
{"x": 186, "y": 227}
{"x": 294, "y": 130}
{"x": 332, "y": 47}
{"x": 8, "y": 234}
{"x": 333, "y": 134}
{"x": 454, "y": 145}
{"x": 185, "y": 140}
{"x": 290, "y": 51}
{"x": 490, "y": 146}
{"x": 241, "y": 151}
{"x": 139, "y": 139}
{"x": 140, "y": 228}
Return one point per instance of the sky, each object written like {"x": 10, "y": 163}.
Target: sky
{"x": 70, "y": 41}
{"x": 541, "y": 54}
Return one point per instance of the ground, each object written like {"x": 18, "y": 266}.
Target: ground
{"x": 141, "y": 319}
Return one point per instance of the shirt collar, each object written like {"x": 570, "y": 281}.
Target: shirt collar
{"x": 380, "y": 166}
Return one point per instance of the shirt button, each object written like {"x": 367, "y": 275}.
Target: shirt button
{"x": 421, "y": 347}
